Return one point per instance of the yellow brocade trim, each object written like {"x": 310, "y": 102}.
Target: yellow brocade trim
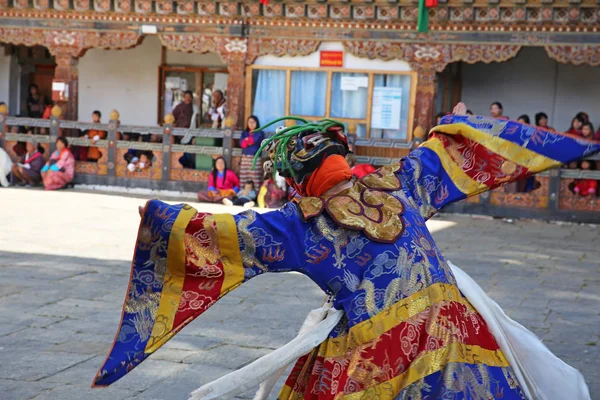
{"x": 461, "y": 180}
{"x": 394, "y": 315}
{"x": 173, "y": 282}
{"x": 529, "y": 159}
{"x": 429, "y": 363}
{"x": 230, "y": 252}
{"x": 366, "y": 206}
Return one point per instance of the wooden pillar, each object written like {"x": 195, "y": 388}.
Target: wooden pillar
{"x": 236, "y": 66}
{"x": 425, "y": 102}
{"x": 66, "y": 72}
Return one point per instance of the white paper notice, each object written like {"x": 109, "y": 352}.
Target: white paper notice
{"x": 352, "y": 83}
{"x": 172, "y": 82}
{"x": 387, "y": 103}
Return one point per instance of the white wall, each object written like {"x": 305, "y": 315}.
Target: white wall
{"x": 193, "y": 59}
{"x": 125, "y": 80}
{"x": 350, "y": 61}
{"x": 4, "y": 77}
{"x": 530, "y": 83}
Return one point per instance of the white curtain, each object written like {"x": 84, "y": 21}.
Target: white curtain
{"x": 269, "y": 98}
{"x": 308, "y": 92}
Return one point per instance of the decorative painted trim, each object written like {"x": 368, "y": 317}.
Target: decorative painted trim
{"x": 74, "y": 43}
{"x": 575, "y": 54}
{"x": 432, "y": 56}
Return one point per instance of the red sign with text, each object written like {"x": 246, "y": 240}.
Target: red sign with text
{"x": 332, "y": 59}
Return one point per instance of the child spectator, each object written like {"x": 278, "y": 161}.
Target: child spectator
{"x": 141, "y": 163}
{"x": 359, "y": 170}
{"x": 587, "y": 131}
{"x": 541, "y": 120}
{"x": 524, "y": 119}
{"x": 250, "y": 143}
{"x": 496, "y": 110}
{"x": 270, "y": 195}
{"x": 245, "y": 197}
{"x": 576, "y": 125}
{"x": 93, "y": 153}
{"x": 585, "y": 187}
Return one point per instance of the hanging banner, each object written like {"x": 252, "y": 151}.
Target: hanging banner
{"x": 332, "y": 59}
{"x": 387, "y": 103}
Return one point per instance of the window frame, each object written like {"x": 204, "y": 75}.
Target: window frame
{"x": 330, "y": 71}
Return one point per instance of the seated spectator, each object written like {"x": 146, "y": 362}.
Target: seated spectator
{"x": 497, "y": 111}
{"x": 359, "y": 170}
{"x": 93, "y": 153}
{"x": 270, "y": 195}
{"x": 138, "y": 164}
{"x": 5, "y": 167}
{"x": 27, "y": 170}
{"x": 245, "y": 197}
{"x": 541, "y": 120}
{"x": 576, "y": 125}
{"x": 60, "y": 169}
{"x": 222, "y": 183}
{"x": 524, "y": 119}
{"x": 585, "y": 187}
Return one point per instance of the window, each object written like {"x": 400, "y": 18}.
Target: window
{"x": 308, "y": 93}
{"x": 377, "y": 105}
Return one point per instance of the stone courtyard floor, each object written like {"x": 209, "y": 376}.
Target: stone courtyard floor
{"x": 64, "y": 267}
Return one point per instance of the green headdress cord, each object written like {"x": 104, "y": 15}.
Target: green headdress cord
{"x": 284, "y": 136}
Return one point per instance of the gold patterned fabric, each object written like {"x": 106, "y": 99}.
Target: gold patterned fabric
{"x": 367, "y": 206}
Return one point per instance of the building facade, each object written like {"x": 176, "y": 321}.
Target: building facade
{"x": 362, "y": 62}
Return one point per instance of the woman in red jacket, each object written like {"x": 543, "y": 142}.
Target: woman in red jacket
{"x": 222, "y": 183}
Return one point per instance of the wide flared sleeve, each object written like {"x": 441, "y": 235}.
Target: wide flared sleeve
{"x": 468, "y": 155}
{"x": 184, "y": 262}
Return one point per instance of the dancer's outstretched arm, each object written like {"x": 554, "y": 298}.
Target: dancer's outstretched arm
{"x": 467, "y": 155}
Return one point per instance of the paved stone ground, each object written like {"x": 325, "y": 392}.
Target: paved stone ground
{"x": 64, "y": 267}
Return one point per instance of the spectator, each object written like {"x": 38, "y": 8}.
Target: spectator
{"x": 35, "y": 102}
{"x": 359, "y": 170}
{"x": 245, "y": 197}
{"x": 576, "y": 125}
{"x": 93, "y": 153}
{"x": 27, "y": 170}
{"x": 184, "y": 112}
{"x": 541, "y": 120}
{"x": 438, "y": 118}
{"x": 218, "y": 110}
{"x": 524, "y": 119}
{"x": 587, "y": 131}
{"x": 496, "y": 110}
{"x": 139, "y": 164}
{"x": 222, "y": 183}
{"x": 6, "y": 166}
{"x": 585, "y": 187}
{"x": 270, "y": 195}
{"x": 250, "y": 143}
{"x": 584, "y": 116}
{"x": 60, "y": 169}
{"x": 469, "y": 112}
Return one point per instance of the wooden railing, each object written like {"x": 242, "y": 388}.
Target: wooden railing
{"x": 552, "y": 200}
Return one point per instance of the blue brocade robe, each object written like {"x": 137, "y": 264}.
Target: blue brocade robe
{"x": 408, "y": 332}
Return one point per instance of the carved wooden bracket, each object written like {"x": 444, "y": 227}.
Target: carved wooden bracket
{"x": 432, "y": 56}
{"x": 74, "y": 43}
{"x": 575, "y": 54}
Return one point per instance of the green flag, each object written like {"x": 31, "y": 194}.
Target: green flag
{"x": 423, "y": 19}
